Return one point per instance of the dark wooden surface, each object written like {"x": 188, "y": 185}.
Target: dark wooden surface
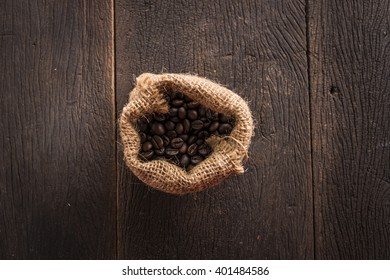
{"x": 57, "y": 171}
{"x": 350, "y": 51}
{"x": 315, "y": 76}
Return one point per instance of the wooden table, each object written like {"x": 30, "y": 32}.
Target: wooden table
{"x": 315, "y": 73}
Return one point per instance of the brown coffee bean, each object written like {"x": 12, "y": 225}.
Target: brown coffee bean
{"x": 192, "y": 115}
{"x": 192, "y": 104}
{"x": 159, "y": 117}
{"x": 160, "y": 152}
{"x": 223, "y": 118}
{"x": 183, "y": 148}
{"x": 159, "y": 142}
{"x": 147, "y": 146}
{"x": 198, "y": 124}
{"x": 177, "y": 143}
{"x": 173, "y": 111}
{"x": 171, "y": 152}
{"x": 165, "y": 139}
{"x": 169, "y": 125}
{"x": 158, "y": 128}
{"x": 171, "y": 134}
{"x": 147, "y": 155}
{"x": 175, "y": 119}
{"x": 211, "y": 115}
{"x": 204, "y": 150}
{"x": 180, "y": 95}
{"x": 190, "y": 167}
{"x": 182, "y": 113}
{"x": 225, "y": 128}
{"x": 160, "y": 158}
{"x": 201, "y": 111}
{"x": 187, "y": 125}
{"x": 184, "y": 137}
{"x": 196, "y": 159}
{"x": 143, "y": 137}
{"x": 192, "y": 139}
{"x": 213, "y": 126}
{"x": 141, "y": 125}
{"x": 203, "y": 134}
{"x": 177, "y": 102}
{"x": 192, "y": 150}
{"x": 179, "y": 128}
{"x": 199, "y": 142}
{"x": 184, "y": 160}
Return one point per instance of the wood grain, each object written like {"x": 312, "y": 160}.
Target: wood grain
{"x": 350, "y": 54}
{"x": 57, "y": 141}
{"x": 258, "y": 49}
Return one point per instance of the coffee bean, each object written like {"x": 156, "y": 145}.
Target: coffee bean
{"x": 173, "y": 111}
{"x": 192, "y": 115}
{"x": 204, "y": 150}
{"x": 159, "y": 117}
{"x": 159, "y": 141}
{"x": 211, "y": 115}
{"x": 143, "y": 137}
{"x": 192, "y": 104}
{"x": 175, "y": 119}
{"x": 141, "y": 125}
{"x": 165, "y": 139}
{"x": 160, "y": 152}
{"x": 192, "y": 150}
{"x": 184, "y": 137}
{"x": 213, "y": 126}
{"x": 179, "y": 128}
{"x": 177, "y": 143}
{"x": 190, "y": 167}
{"x": 160, "y": 158}
{"x": 223, "y": 118}
{"x": 171, "y": 134}
{"x": 183, "y": 148}
{"x": 201, "y": 111}
{"x": 199, "y": 142}
{"x": 184, "y": 160}
{"x": 179, "y": 95}
{"x": 169, "y": 125}
{"x": 203, "y": 134}
{"x": 158, "y": 128}
{"x": 147, "y": 146}
{"x": 147, "y": 155}
{"x": 187, "y": 125}
{"x": 177, "y": 102}
{"x": 225, "y": 128}
{"x": 192, "y": 139}
{"x": 182, "y": 113}
{"x": 171, "y": 152}
{"x": 196, "y": 159}
{"x": 172, "y": 95}
{"x": 198, "y": 124}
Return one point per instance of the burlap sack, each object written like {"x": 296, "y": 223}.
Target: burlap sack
{"x": 228, "y": 151}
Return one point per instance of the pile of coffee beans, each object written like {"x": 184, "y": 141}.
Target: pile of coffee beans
{"x": 179, "y": 136}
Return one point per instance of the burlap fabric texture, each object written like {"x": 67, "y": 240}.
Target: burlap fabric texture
{"x": 228, "y": 151}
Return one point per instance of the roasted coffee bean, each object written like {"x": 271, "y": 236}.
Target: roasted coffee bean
{"x": 169, "y": 125}
{"x": 183, "y": 148}
{"x": 171, "y": 134}
{"x": 166, "y": 140}
{"x": 159, "y": 142}
{"x": 203, "y": 134}
{"x": 173, "y": 160}
{"x": 177, "y": 143}
{"x": 173, "y": 111}
{"x": 199, "y": 142}
{"x": 160, "y": 158}
{"x": 211, "y": 115}
{"x": 190, "y": 167}
{"x": 177, "y": 102}
{"x": 198, "y": 124}
{"x": 159, "y": 117}
{"x": 175, "y": 119}
{"x": 171, "y": 152}
{"x": 179, "y": 128}
{"x": 187, "y": 125}
{"x": 184, "y": 160}
{"x": 182, "y": 113}
{"x": 201, "y": 111}
{"x": 192, "y": 139}
{"x": 204, "y": 150}
{"x": 192, "y": 104}
{"x": 158, "y": 128}
{"x": 192, "y": 150}
{"x": 184, "y": 137}
{"x": 196, "y": 159}
{"x": 206, "y": 123}
{"x": 213, "y": 126}
{"x": 147, "y": 155}
{"x": 180, "y": 95}
{"x": 223, "y": 118}
{"x": 160, "y": 152}
{"x": 147, "y": 146}
{"x": 192, "y": 115}
{"x": 225, "y": 128}
{"x": 143, "y": 137}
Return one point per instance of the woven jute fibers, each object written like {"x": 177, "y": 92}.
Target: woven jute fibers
{"x": 228, "y": 151}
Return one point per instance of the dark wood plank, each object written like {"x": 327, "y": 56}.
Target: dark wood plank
{"x": 258, "y": 49}
{"x": 350, "y": 78}
{"x": 57, "y": 133}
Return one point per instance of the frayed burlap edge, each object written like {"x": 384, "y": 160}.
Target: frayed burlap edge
{"x": 228, "y": 152}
